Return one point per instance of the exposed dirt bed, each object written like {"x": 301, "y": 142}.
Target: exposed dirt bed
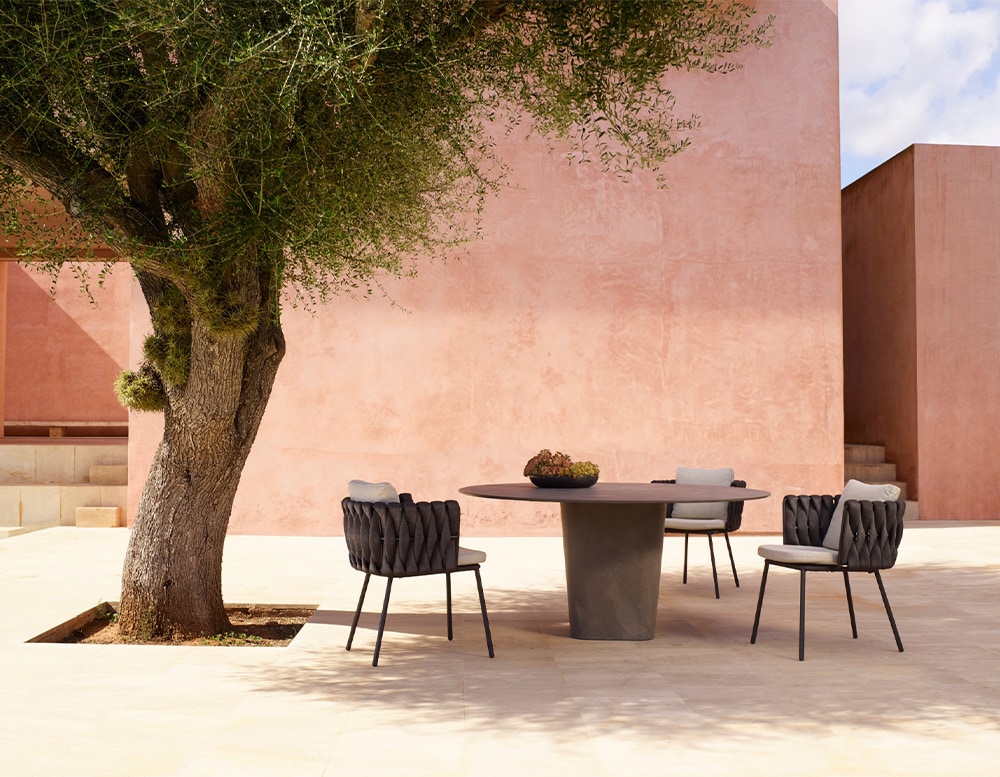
{"x": 253, "y": 626}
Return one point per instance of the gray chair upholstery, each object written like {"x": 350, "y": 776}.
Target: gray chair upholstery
{"x": 408, "y": 539}
{"x": 869, "y": 541}
{"x": 708, "y": 527}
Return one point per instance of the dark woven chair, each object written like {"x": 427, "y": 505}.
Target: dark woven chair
{"x": 708, "y": 519}
{"x": 869, "y": 537}
{"x": 408, "y": 539}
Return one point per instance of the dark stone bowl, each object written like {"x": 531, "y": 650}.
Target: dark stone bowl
{"x": 563, "y": 481}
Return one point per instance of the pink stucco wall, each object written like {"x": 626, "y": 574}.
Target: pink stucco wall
{"x": 63, "y": 353}
{"x": 936, "y": 261}
{"x": 640, "y": 328}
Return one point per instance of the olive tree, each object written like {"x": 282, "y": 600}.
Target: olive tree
{"x": 242, "y": 153}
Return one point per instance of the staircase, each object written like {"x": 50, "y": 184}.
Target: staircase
{"x": 62, "y": 482}
{"x": 867, "y": 463}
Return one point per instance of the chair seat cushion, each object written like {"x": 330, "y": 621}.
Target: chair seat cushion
{"x": 798, "y": 554}
{"x": 468, "y": 556}
{"x": 695, "y": 524}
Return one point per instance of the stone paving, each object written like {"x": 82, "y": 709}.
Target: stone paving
{"x": 698, "y": 699}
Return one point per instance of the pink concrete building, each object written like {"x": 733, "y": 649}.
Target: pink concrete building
{"x": 640, "y": 328}
{"x": 922, "y": 323}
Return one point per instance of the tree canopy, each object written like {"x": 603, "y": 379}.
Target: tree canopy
{"x": 342, "y": 135}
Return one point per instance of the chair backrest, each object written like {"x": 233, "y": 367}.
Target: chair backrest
{"x": 870, "y": 533}
{"x": 731, "y": 511}
{"x": 805, "y": 519}
{"x": 402, "y": 539}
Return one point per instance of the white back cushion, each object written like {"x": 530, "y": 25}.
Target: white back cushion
{"x": 702, "y": 477}
{"x": 363, "y": 491}
{"x": 865, "y": 492}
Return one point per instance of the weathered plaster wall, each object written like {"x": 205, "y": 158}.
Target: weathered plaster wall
{"x": 880, "y": 316}
{"x": 639, "y": 328}
{"x": 63, "y": 353}
{"x": 957, "y": 199}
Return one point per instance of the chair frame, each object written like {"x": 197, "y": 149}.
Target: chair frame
{"x": 734, "y": 518}
{"x": 869, "y": 542}
{"x": 406, "y": 539}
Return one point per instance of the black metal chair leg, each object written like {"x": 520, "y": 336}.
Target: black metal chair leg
{"x": 732, "y": 561}
{"x": 482, "y": 605}
{"x": 447, "y": 586}
{"x": 760, "y": 602}
{"x": 802, "y": 615}
{"x": 715, "y": 574}
{"x": 381, "y": 621}
{"x": 686, "y": 535}
{"x": 357, "y": 612}
{"x": 850, "y": 605}
{"x": 888, "y": 611}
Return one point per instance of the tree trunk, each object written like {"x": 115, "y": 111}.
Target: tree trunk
{"x": 172, "y": 578}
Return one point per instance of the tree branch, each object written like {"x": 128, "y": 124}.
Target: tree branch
{"x": 87, "y": 192}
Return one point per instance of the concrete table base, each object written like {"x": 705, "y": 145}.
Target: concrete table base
{"x": 613, "y": 544}
{"x": 613, "y": 554}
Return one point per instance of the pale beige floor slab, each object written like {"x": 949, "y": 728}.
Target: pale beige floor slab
{"x": 697, "y": 699}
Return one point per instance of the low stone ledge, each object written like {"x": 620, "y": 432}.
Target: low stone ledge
{"x": 98, "y": 517}
{"x": 109, "y": 474}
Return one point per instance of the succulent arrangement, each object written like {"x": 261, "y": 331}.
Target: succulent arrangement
{"x": 545, "y": 463}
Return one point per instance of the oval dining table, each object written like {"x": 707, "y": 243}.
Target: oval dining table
{"x": 613, "y": 547}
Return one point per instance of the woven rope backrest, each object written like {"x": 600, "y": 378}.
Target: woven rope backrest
{"x": 400, "y": 540}
{"x": 805, "y": 519}
{"x": 871, "y": 534}
{"x": 734, "y": 510}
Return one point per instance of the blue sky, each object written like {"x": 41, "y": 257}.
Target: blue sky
{"x": 916, "y": 71}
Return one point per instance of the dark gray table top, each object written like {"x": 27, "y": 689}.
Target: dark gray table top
{"x": 616, "y": 493}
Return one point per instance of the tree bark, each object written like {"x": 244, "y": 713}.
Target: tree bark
{"x": 172, "y": 577}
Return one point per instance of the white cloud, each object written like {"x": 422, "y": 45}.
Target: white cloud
{"x": 916, "y": 71}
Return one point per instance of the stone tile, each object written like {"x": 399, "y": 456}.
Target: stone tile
{"x": 54, "y": 464}
{"x": 10, "y": 505}
{"x": 88, "y": 456}
{"x": 98, "y": 517}
{"x": 72, "y": 497}
{"x": 109, "y": 474}
{"x": 40, "y": 506}
{"x": 114, "y": 496}
{"x": 17, "y": 464}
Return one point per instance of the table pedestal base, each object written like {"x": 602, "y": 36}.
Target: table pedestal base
{"x": 613, "y": 554}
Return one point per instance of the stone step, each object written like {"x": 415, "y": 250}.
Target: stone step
{"x": 856, "y": 453}
{"x": 867, "y": 463}
{"x": 58, "y": 462}
{"x": 109, "y": 475}
{"x": 99, "y": 517}
{"x": 870, "y": 473}
{"x": 38, "y": 506}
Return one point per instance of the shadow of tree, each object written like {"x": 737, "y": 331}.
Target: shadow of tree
{"x": 700, "y": 677}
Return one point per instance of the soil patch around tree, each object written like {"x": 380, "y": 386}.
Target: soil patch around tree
{"x": 254, "y": 625}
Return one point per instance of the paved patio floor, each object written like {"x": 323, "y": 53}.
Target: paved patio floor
{"x": 698, "y": 699}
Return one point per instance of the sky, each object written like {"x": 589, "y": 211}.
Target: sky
{"x": 916, "y": 71}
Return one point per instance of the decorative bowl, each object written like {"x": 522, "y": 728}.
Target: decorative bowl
{"x": 563, "y": 481}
